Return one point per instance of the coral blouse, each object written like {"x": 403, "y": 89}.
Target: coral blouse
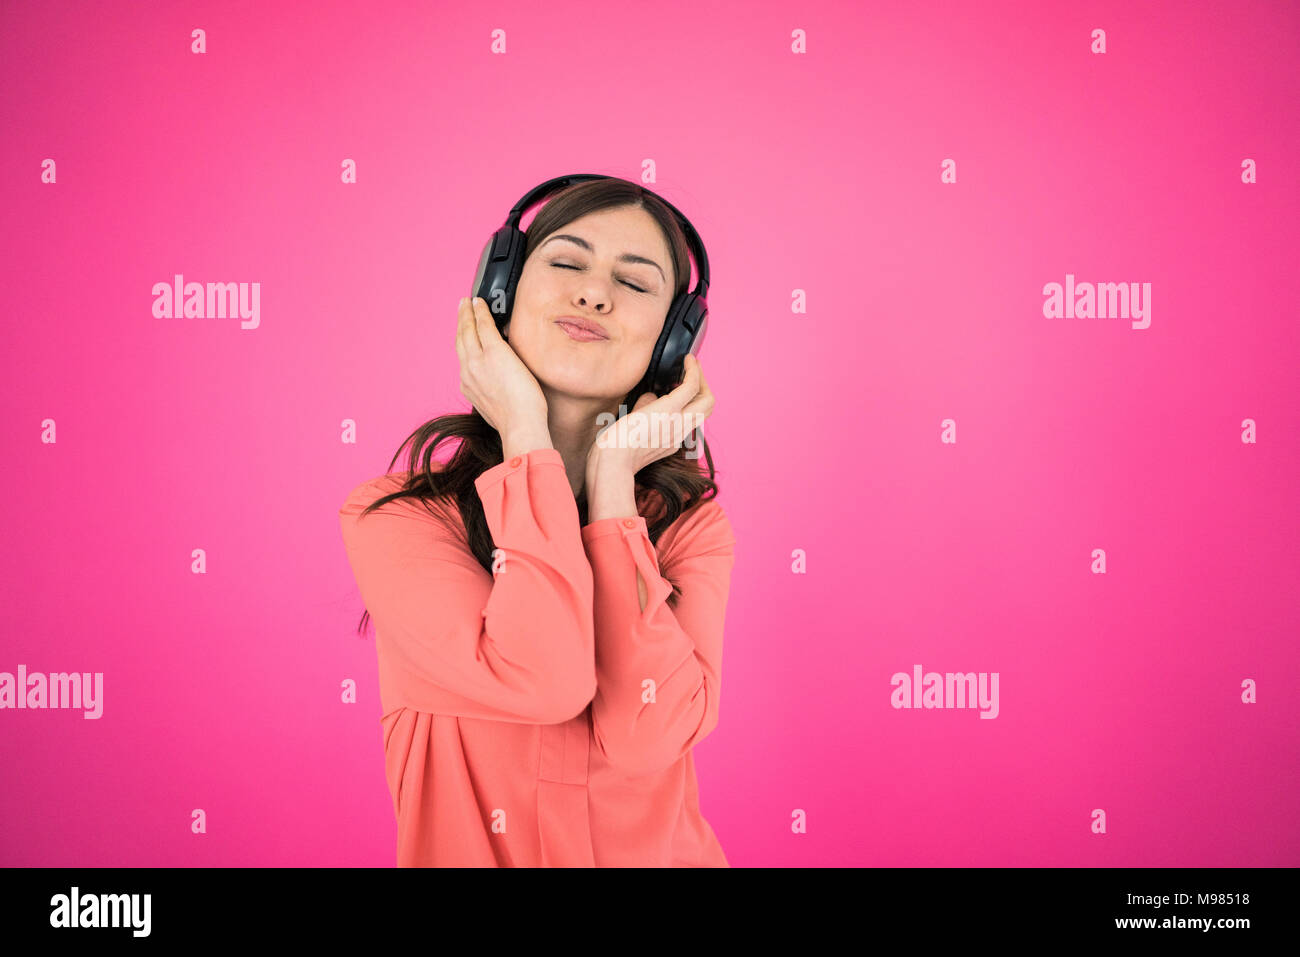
{"x": 537, "y": 716}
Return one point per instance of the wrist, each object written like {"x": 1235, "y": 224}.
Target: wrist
{"x": 599, "y": 463}
{"x": 522, "y": 441}
{"x": 611, "y": 493}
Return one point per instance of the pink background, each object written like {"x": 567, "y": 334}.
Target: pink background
{"x": 818, "y": 172}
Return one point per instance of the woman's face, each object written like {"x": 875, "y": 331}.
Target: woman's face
{"x": 580, "y": 271}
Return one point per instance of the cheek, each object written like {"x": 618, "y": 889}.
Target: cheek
{"x": 651, "y": 330}
{"x": 537, "y": 283}
{"x": 639, "y": 348}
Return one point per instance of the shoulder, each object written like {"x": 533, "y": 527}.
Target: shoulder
{"x": 703, "y": 529}
{"x": 371, "y": 490}
{"x": 410, "y": 527}
{"x": 426, "y": 510}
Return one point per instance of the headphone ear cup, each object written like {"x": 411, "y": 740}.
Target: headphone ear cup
{"x": 653, "y": 380}
{"x": 515, "y": 269}
{"x": 484, "y": 265}
{"x": 683, "y": 333}
{"x": 702, "y": 326}
{"x": 498, "y": 273}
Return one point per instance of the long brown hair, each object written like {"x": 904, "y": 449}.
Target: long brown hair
{"x": 664, "y": 489}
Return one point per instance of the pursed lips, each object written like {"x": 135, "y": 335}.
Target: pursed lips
{"x": 585, "y": 331}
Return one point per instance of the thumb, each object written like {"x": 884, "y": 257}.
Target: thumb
{"x": 646, "y": 399}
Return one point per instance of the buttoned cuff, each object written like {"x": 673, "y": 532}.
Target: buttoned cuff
{"x": 616, "y": 546}
{"x": 611, "y": 526}
{"x": 497, "y": 473}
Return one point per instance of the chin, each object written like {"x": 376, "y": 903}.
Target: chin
{"x": 579, "y": 385}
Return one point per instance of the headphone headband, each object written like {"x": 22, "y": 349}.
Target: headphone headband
{"x": 538, "y": 193}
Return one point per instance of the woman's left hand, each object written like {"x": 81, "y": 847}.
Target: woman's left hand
{"x": 656, "y": 426}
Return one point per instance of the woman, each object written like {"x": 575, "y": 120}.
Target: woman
{"x": 550, "y": 647}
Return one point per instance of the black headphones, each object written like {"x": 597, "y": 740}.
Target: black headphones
{"x": 502, "y": 262}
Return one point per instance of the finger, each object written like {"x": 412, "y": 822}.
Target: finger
{"x": 461, "y": 313}
{"x": 484, "y": 322}
{"x": 671, "y": 428}
{"x": 702, "y": 404}
{"x": 683, "y": 427}
{"x": 692, "y": 376}
{"x": 672, "y": 405}
{"x": 469, "y": 329}
{"x": 686, "y": 390}
{"x": 703, "y": 400}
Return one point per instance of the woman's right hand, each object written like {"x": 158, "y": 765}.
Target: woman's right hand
{"x": 493, "y": 377}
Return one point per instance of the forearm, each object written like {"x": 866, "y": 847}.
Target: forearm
{"x": 611, "y": 493}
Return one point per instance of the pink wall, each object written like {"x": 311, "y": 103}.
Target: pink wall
{"x": 820, "y": 171}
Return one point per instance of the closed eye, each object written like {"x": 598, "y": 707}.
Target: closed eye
{"x": 579, "y": 268}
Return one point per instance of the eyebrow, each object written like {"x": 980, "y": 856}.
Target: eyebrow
{"x": 626, "y": 257}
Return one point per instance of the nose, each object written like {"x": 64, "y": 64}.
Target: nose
{"x": 593, "y": 302}
{"x": 591, "y": 295}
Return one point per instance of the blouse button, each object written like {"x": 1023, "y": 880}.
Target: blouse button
{"x": 515, "y": 461}
{"x": 630, "y": 522}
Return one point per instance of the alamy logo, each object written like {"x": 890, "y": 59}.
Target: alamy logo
{"x": 57, "y": 690}
{"x": 102, "y": 910}
{"x": 1103, "y": 300}
{"x": 219, "y": 300}
{"x": 948, "y": 690}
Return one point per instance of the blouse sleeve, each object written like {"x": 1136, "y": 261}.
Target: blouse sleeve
{"x": 514, "y": 646}
{"x": 658, "y": 671}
